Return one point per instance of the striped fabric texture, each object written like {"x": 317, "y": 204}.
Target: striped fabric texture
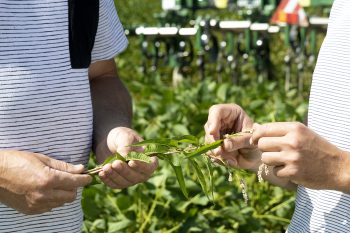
{"x": 45, "y": 106}
{"x": 329, "y": 116}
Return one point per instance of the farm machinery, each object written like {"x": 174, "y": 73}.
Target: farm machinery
{"x": 188, "y": 35}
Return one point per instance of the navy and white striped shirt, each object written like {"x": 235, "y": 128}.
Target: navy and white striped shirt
{"x": 329, "y": 116}
{"x": 45, "y": 106}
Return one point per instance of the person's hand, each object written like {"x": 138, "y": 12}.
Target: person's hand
{"x": 236, "y": 151}
{"x": 300, "y": 155}
{"x": 34, "y": 183}
{"x": 119, "y": 174}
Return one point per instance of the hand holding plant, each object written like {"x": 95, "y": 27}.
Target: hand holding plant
{"x": 236, "y": 151}
{"x": 299, "y": 154}
{"x": 117, "y": 173}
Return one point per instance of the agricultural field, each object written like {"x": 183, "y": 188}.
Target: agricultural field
{"x": 164, "y": 111}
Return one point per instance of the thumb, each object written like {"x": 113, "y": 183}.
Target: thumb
{"x": 237, "y": 143}
{"x": 61, "y": 165}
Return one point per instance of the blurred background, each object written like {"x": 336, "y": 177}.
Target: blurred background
{"x": 183, "y": 57}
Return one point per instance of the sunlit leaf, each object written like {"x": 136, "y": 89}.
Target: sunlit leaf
{"x": 133, "y": 155}
{"x": 113, "y": 158}
{"x": 201, "y": 177}
{"x": 211, "y": 177}
{"x": 205, "y": 149}
{"x": 187, "y": 139}
{"x": 180, "y": 130}
{"x": 162, "y": 141}
{"x": 156, "y": 148}
{"x": 119, "y": 226}
{"x": 180, "y": 178}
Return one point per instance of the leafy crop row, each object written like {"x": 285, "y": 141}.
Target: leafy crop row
{"x": 161, "y": 111}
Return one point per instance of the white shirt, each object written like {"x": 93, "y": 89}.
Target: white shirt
{"x": 329, "y": 116}
{"x": 45, "y": 106}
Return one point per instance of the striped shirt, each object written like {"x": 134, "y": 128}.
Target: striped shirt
{"x": 329, "y": 115}
{"x": 45, "y": 106}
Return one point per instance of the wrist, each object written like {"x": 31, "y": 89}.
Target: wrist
{"x": 343, "y": 176}
{"x": 102, "y": 151}
{"x": 2, "y": 169}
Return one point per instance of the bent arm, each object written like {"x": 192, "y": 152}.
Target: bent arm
{"x": 112, "y": 105}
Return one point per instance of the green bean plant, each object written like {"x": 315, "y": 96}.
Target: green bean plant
{"x": 174, "y": 151}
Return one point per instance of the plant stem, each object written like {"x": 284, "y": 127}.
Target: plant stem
{"x": 93, "y": 171}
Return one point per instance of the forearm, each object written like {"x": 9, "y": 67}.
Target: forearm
{"x": 341, "y": 173}
{"x": 112, "y": 107}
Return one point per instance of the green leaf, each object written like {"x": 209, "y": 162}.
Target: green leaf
{"x": 180, "y": 130}
{"x": 156, "y": 148}
{"x": 211, "y": 177}
{"x": 222, "y": 92}
{"x": 200, "y": 176}
{"x": 114, "y": 227}
{"x": 163, "y": 141}
{"x": 180, "y": 178}
{"x": 187, "y": 139}
{"x": 204, "y": 149}
{"x": 113, "y": 158}
{"x": 133, "y": 155}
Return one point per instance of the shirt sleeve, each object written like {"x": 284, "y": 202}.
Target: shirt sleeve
{"x": 110, "y": 38}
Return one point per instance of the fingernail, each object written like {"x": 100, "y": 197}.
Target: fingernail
{"x": 79, "y": 167}
{"x": 217, "y": 151}
{"x": 251, "y": 141}
{"x": 232, "y": 163}
{"x": 228, "y": 145}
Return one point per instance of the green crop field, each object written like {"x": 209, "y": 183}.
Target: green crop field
{"x": 162, "y": 111}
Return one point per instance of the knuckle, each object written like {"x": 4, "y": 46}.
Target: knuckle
{"x": 260, "y": 142}
{"x": 64, "y": 166}
{"x": 299, "y": 128}
{"x": 38, "y": 198}
{"x": 44, "y": 182}
{"x": 293, "y": 172}
{"x": 228, "y": 146}
{"x": 295, "y": 143}
{"x": 213, "y": 108}
{"x": 294, "y": 158}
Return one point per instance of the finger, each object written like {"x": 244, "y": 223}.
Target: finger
{"x": 226, "y": 158}
{"x": 61, "y": 165}
{"x": 113, "y": 171}
{"x": 273, "y": 158}
{"x": 145, "y": 168}
{"x": 120, "y": 138}
{"x": 272, "y": 144}
{"x": 112, "y": 178}
{"x": 216, "y": 115}
{"x": 123, "y": 170}
{"x": 282, "y": 171}
{"x": 67, "y": 181}
{"x": 110, "y": 183}
{"x": 277, "y": 129}
{"x": 209, "y": 138}
{"x": 236, "y": 143}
